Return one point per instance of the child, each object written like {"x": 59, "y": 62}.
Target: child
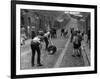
{"x": 77, "y": 44}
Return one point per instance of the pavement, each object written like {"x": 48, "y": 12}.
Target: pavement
{"x": 86, "y": 53}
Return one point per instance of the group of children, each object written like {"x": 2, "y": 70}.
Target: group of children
{"x": 64, "y": 32}
{"x": 76, "y": 40}
{"x": 36, "y": 45}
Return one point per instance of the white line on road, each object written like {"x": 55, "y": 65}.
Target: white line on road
{"x": 62, "y": 55}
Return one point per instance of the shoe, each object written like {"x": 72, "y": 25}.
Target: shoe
{"x": 39, "y": 65}
{"x": 73, "y": 55}
{"x": 78, "y": 55}
{"x": 32, "y": 65}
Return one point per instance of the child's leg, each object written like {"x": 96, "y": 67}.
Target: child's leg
{"x": 74, "y": 52}
{"x": 78, "y": 52}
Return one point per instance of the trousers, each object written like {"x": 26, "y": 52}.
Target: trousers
{"x": 35, "y": 49}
